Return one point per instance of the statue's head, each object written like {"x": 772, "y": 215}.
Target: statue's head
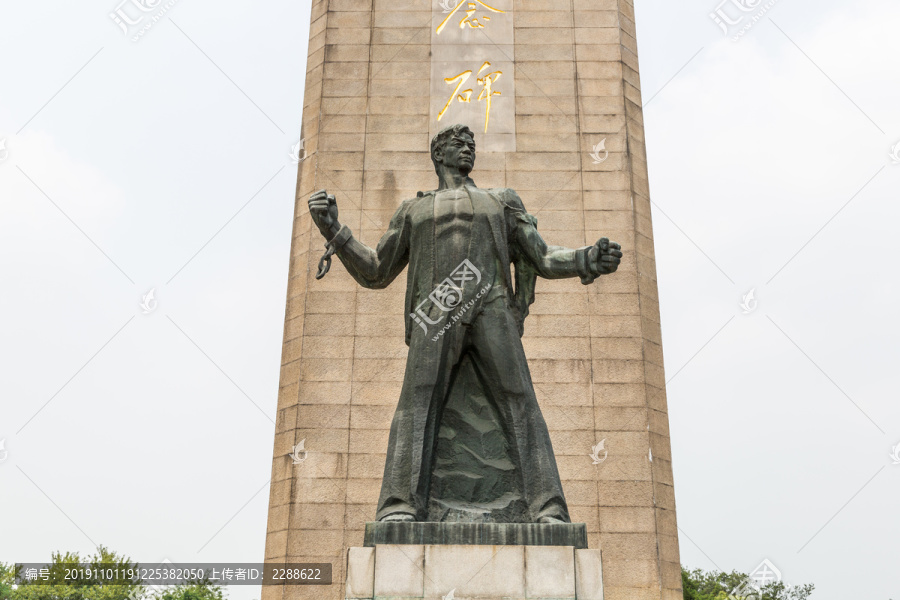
{"x": 454, "y": 147}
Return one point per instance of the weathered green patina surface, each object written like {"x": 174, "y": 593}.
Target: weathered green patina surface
{"x": 468, "y": 442}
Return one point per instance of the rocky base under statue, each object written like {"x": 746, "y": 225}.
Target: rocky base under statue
{"x": 477, "y": 534}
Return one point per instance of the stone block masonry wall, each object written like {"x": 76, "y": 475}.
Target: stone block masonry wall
{"x": 595, "y": 352}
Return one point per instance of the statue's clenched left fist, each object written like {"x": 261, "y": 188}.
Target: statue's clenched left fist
{"x": 605, "y": 257}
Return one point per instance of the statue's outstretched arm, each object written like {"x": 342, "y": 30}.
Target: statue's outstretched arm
{"x": 374, "y": 269}
{"x": 558, "y": 262}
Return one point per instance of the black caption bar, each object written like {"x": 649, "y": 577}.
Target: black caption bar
{"x": 174, "y": 574}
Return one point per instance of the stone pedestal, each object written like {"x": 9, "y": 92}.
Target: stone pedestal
{"x": 459, "y": 572}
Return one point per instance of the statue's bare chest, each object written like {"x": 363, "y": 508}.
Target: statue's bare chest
{"x": 453, "y": 207}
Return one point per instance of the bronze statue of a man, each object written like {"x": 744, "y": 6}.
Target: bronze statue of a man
{"x": 468, "y": 441}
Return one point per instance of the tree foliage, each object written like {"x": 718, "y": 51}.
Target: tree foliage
{"x": 716, "y": 585}
{"x": 58, "y": 588}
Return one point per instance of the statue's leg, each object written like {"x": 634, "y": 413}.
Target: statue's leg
{"x": 498, "y": 356}
{"x": 407, "y": 469}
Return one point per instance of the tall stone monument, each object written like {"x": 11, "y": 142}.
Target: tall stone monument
{"x": 552, "y": 94}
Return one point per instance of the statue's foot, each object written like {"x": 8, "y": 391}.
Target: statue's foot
{"x": 398, "y": 518}
{"x": 550, "y": 519}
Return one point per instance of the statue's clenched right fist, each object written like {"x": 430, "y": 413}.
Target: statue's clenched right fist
{"x": 324, "y": 211}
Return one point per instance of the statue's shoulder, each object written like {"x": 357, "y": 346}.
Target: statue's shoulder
{"x": 507, "y": 196}
{"x": 409, "y": 203}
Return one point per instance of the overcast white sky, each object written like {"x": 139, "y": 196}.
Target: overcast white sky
{"x": 164, "y": 164}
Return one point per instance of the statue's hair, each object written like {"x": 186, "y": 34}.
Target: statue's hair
{"x": 445, "y": 135}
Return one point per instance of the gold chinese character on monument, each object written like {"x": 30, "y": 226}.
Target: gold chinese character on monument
{"x": 471, "y": 7}
{"x": 487, "y": 91}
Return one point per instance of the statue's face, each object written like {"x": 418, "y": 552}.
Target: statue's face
{"x": 458, "y": 153}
